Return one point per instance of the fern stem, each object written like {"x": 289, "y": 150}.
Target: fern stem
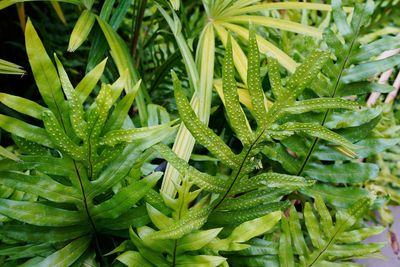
{"x": 315, "y": 142}
{"x": 239, "y": 170}
{"x": 174, "y": 254}
{"x": 90, "y": 219}
{"x": 327, "y": 244}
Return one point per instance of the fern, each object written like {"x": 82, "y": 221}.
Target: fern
{"x": 74, "y": 183}
{"x": 247, "y": 194}
{"x": 334, "y": 242}
{"x": 314, "y": 238}
{"x": 345, "y": 74}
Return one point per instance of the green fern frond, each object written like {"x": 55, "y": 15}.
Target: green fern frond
{"x": 203, "y": 134}
{"x": 313, "y": 237}
{"x": 235, "y": 113}
{"x": 69, "y": 186}
{"x": 350, "y": 69}
{"x": 254, "y": 81}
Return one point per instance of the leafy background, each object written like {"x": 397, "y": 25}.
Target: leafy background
{"x": 156, "y": 39}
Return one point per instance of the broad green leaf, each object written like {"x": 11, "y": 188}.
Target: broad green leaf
{"x": 46, "y": 164}
{"x": 285, "y": 245}
{"x": 299, "y": 243}
{"x": 305, "y": 74}
{"x": 192, "y": 221}
{"x": 158, "y": 218}
{"x": 255, "y": 198}
{"x": 319, "y": 104}
{"x": 125, "y": 198}
{"x": 259, "y": 246}
{"x": 25, "y": 130}
{"x": 256, "y": 227}
{"x": 241, "y": 216}
{"x": 344, "y": 221}
{"x": 81, "y": 30}
{"x": 36, "y": 234}
{"x": 29, "y": 147}
{"x": 265, "y": 46}
{"x": 39, "y": 214}
{"x": 75, "y": 108}
{"x": 254, "y": 81}
{"x": 359, "y": 234}
{"x": 114, "y": 172}
{"x": 255, "y": 261}
{"x": 22, "y": 105}
{"x": 44, "y": 72}
{"x": 197, "y": 240}
{"x": 203, "y": 180}
{"x": 68, "y": 254}
{"x": 281, "y": 24}
{"x": 135, "y": 217}
{"x": 278, "y": 152}
{"x": 370, "y": 50}
{"x": 340, "y": 197}
{"x": 369, "y": 69}
{"x": 240, "y": 58}
{"x": 203, "y": 134}
{"x": 117, "y": 136}
{"x": 26, "y": 251}
{"x": 149, "y": 254}
{"x": 368, "y": 147}
{"x": 120, "y": 112}
{"x": 199, "y": 261}
{"x": 5, "y": 153}
{"x": 360, "y": 88}
{"x": 353, "y": 250}
{"x": 132, "y": 259}
{"x": 313, "y": 227}
{"x": 341, "y": 19}
{"x": 271, "y": 179}
{"x": 316, "y": 130}
{"x": 41, "y": 185}
{"x": 155, "y": 245}
{"x": 87, "y": 84}
{"x": 274, "y": 76}
{"x": 60, "y": 138}
{"x": 324, "y": 216}
{"x": 235, "y": 113}
{"x": 343, "y": 173}
{"x": 99, "y": 114}
{"x": 345, "y": 119}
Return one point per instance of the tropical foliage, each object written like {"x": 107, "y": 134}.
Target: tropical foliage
{"x": 283, "y": 155}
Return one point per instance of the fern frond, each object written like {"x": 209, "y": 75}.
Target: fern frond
{"x": 69, "y": 186}
{"x": 203, "y": 134}
{"x": 317, "y": 239}
{"x": 254, "y": 81}
{"x": 350, "y": 59}
{"x": 235, "y": 113}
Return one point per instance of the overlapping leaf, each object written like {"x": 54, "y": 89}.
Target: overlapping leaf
{"x": 73, "y": 180}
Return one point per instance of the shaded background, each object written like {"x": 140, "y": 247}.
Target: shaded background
{"x": 392, "y": 259}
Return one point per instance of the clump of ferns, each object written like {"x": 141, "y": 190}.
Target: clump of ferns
{"x": 248, "y": 192}
{"x": 75, "y": 183}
